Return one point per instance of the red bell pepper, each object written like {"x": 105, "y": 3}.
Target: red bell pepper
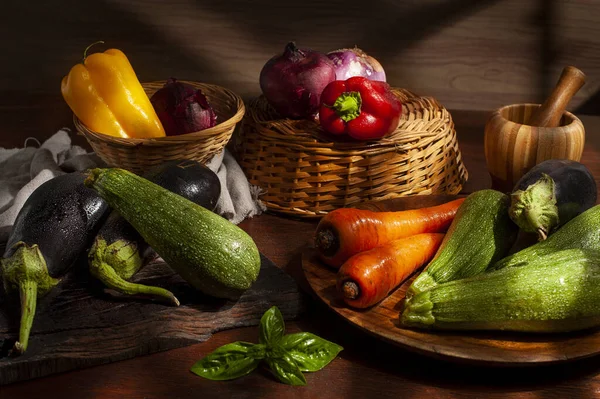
{"x": 361, "y": 108}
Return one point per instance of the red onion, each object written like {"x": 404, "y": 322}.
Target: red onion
{"x": 351, "y": 62}
{"x": 182, "y": 108}
{"x": 292, "y": 82}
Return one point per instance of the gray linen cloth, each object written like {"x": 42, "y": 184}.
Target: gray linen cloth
{"x": 22, "y": 170}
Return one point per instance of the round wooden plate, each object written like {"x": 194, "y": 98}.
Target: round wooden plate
{"x": 494, "y": 348}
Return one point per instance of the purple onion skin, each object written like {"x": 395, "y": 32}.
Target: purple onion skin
{"x": 351, "y": 62}
{"x": 182, "y": 108}
{"x": 292, "y": 82}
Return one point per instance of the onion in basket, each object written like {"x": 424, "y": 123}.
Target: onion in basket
{"x": 292, "y": 82}
{"x": 182, "y": 108}
{"x": 351, "y": 62}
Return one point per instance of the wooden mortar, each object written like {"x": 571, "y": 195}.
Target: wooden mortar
{"x": 519, "y": 136}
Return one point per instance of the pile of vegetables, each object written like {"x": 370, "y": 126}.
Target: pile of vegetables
{"x": 127, "y": 220}
{"x": 130, "y": 220}
{"x": 103, "y": 91}
{"x": 375, "y": 251}
{"x": 345, "y": 90}
{"x": 473, "y": 279}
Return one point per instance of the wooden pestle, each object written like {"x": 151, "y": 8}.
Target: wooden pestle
{"x": 551, "y": 111}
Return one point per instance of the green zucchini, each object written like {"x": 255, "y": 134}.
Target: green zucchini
{"x": 583, "y": 231}
{"x": 480, "y": 234}
{"x": 212, "y": 254}
{"x": 557, "y": 292}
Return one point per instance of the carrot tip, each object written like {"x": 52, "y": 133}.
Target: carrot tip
{"x": 350, "y": 290}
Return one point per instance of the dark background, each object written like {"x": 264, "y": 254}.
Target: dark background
{"x": 469, "y": 54}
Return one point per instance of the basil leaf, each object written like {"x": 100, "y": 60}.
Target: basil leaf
{"x": 284, "y": 368}
{"x": 257, "y": 351}
{"x": 310, "y": 352}
{"x": 271, "y": 327}
{"x": 228, "y": 362}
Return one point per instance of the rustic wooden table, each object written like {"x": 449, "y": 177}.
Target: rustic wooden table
{"x": 366, "y": 368}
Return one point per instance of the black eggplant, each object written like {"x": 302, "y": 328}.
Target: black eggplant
{"x": 550, "y": 194}
{"x": 53, "y": 228}
{"x": 119, "y": 251}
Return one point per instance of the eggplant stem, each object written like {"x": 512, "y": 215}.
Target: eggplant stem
{"x": 107, "y": 274}
{"x": 28, "y": 294}
{"x": 541, "y": 234}
{"x": 533, "y": 217}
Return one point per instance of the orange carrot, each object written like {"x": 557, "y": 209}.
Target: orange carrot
{"x": 368, "y": 277}
{"x": 348, "y": 231}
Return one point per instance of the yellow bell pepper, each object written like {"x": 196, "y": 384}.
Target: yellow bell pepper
{"x": 106, "y": 95}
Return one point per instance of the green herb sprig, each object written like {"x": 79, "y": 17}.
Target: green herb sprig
{"x": 287, "y": 355}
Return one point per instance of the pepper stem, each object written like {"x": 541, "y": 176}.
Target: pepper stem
{"x": 347, "y": 106}
{"x": 88, "y": 47}
{"x": 113, "y": 264}
{"x": 28, "y": 294}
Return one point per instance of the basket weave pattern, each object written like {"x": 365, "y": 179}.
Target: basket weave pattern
{"x": 137, "y": 155}
{"x": 303, "y": 173}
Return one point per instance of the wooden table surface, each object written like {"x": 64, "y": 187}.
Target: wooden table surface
{"x": 366, "y": 368}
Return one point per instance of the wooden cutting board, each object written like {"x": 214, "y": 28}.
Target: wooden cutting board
{"x": 80, "y": 325}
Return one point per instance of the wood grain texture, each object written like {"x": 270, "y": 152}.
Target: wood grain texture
{"x": 77, "y": 325}
{"x": 469, "y": 54}
{"x": 512, "y": 146}
{"x": 491, "y": 348}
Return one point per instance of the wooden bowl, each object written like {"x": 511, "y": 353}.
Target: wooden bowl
{"x": 512, "y": 147}
{"x": 138, "y": 155}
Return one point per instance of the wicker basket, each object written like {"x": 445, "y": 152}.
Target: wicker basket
{"x": 303, "y": 173}
{"x": 137, "y": 155}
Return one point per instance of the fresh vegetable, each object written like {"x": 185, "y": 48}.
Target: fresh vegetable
{"x": 292, "y": 82}
{"x": 580, "y": 232}
{"x": 287, "y": 355}
{"x": 347, "y": 231}
{"x": 556, "y": 292}
{"x": 51, "y": 231}
{"x": 360, "y": 108}
{"x": 189, "y": 179}
{"x": 368, "y": 277}
{"x": 550, "y": 194}
{"x": 480, "y": 234}
{"x": 351, "y": 62}
{"x": 106, "y": 95}
{"x": 212, "y": 254}
{"x": 119, "y": 251}
{"x": 182, "y": 108}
